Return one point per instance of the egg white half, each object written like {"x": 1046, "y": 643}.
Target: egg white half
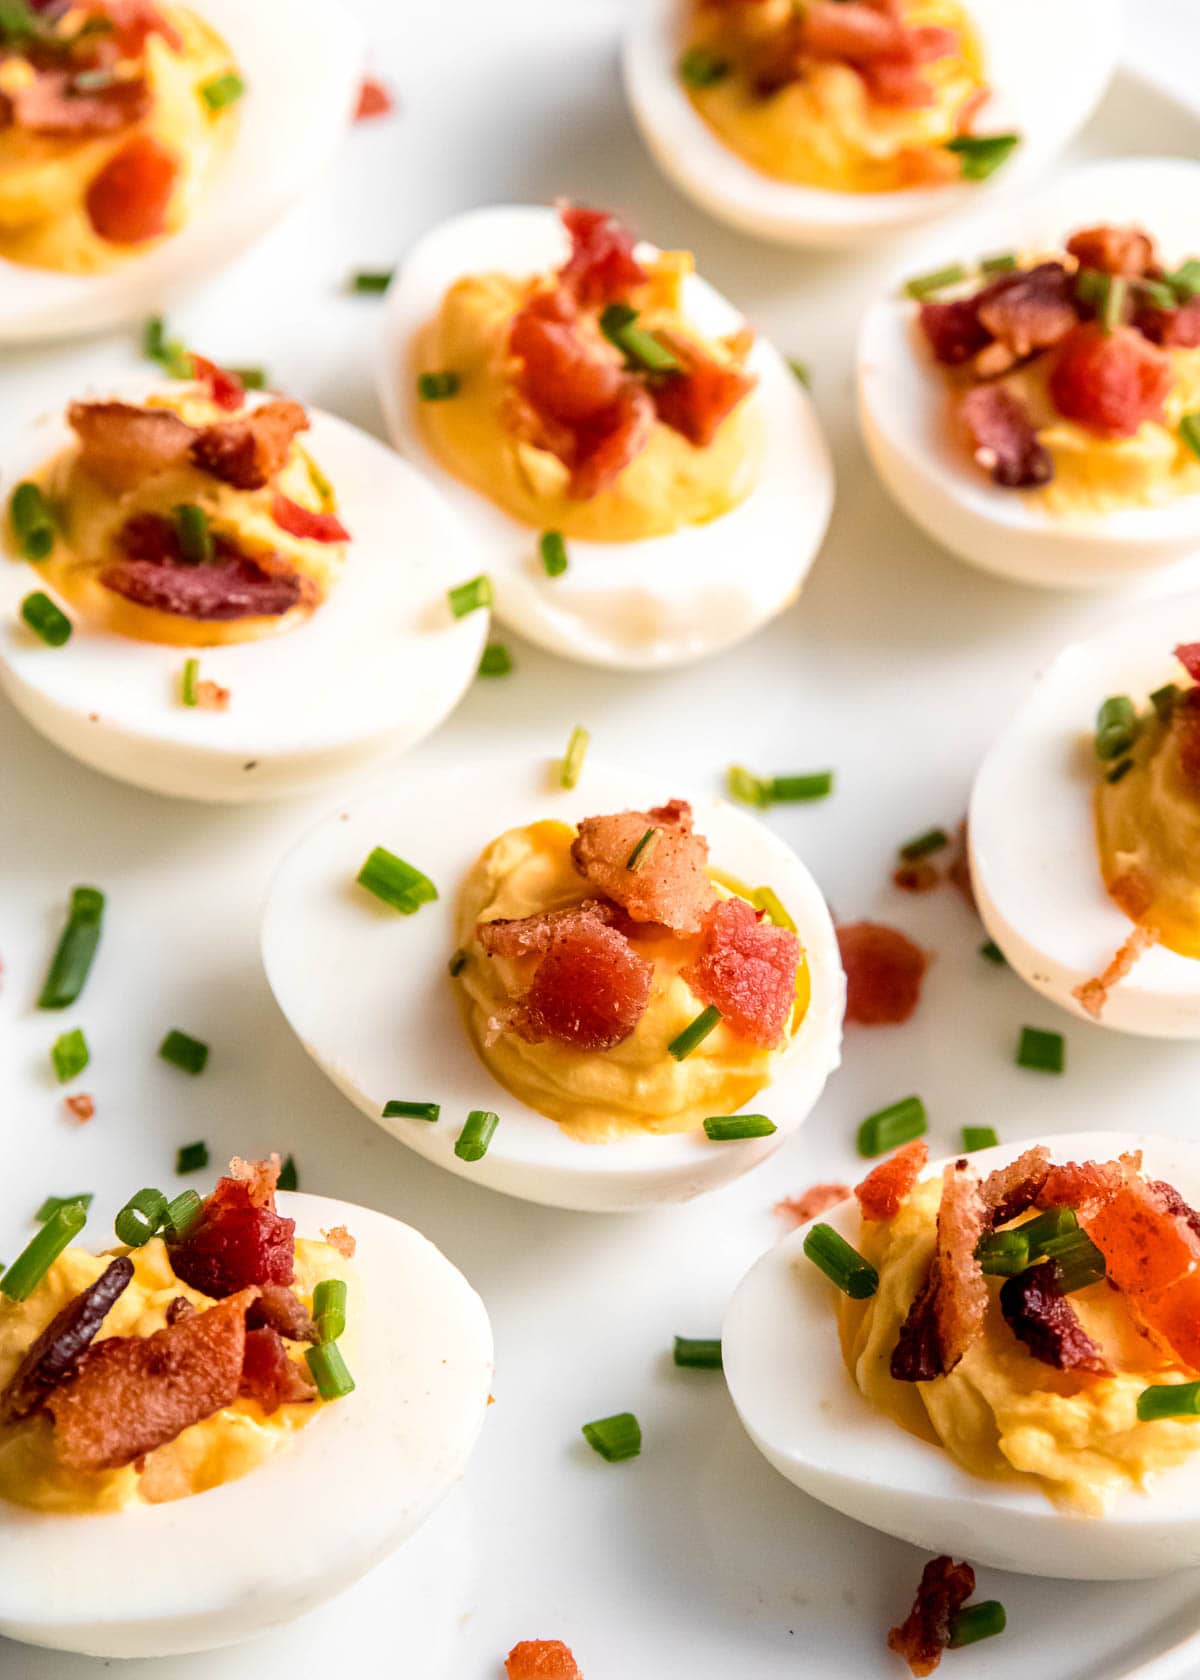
{"x": 804, "y": 1413}
{"x": 375, "y": 669}
{"x": 368, "y": 994}
{"x": 1048, "y": 67}
{"x": 302, "y": 63}
{"x": 1034, "y": 861}
{"x": 632, "y": 605}
{"x": 904, "y": 398}
{"x": 346, "y": 1490}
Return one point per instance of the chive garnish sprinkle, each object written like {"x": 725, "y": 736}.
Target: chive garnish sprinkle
{"x": 1164, "y": 699}
{"x": 51, "y": 1205}
{"x": 1044, "y": 1052}
{"x": 1115, "y": 297}
{"x": 1161, "y": 1400}
{"x": 925, "y": 285}
{"x": 329, "y": 1370}
{"x": 732, "y": 1128}
{"x": 553, "y": 551}
{"x": 469, "y": 597}
{"x": 69, "y": 1054}
{"x": 289, "y": 1177}
{"x": 572, "y": 763}
{"x": 767, "y": 900}
{"x": 76, "y": 948}
{"x": 222, "y": 91}
{"x": 191, "y": 1157}
{"x": 992, "y": 953}
{"x": 476, "y": 1135}
{"x": 183, "y": 1051}
{"x": 457, "y": 963}
{"x": 31, "y": 520}
{"x": 1119, "y": 771}
{"x": 396, "y": 1109}
{"x": 1076, "y": 1259}
{"x": 921, "y": 845}
{"x": 192, "y": 529}
{"x": 141, "y": 1218}
{"x": 698, "y": 1354}
{"x": 614, "y": 1438}
{"x": 438, "y": 387}
{"x": 182, "y": 1212}
{"x": 889, "y": 1127}
{"x": 1189, "y": 431}
{"x": 495, "y": 661}
{"x": 378, "y": 280}
{"x": 1185, "y": 281}
{"x": 47, "y": 621}
{"x": 36, "y": 1258}
{"x": 189, "y": 683}
{"x": 801, "y": 372}
{"x": 1001, "y": 263}
{"x": 980, "y": 155}
{"x": 1003, "y": 1254}
{"x": 977, "y": 1621}
{"x": 1116, "y": 727}
{"x": 395, "y": 882}
{"x": 979, "y": 1137}
{"x": 842, "y": 1264}
{"x": 329, "y": 1308}
{"x": 642, "y": 850}
{"x": 700, "y": 68}
{"x": 682, "y": 1045}
{"x": 641, "y": 348}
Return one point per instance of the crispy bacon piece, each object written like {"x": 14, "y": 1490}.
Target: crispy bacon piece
{"x": 248, "y": 452}
{"x": 746, "y": 969}
{"x": 227, "y": 589}
{"x": 1146, "y": 1247}
{"x": 1109, "y": 381}
{"x": 52, "y": 105}
{"x": 307, "y": 523}
{"x": 123, "y": 445}
{"x": 885, "y": 1187}
{"x": 670, "y": 885}
{"x": 338, "y": 1237}
{"x": 133, "y": 21}
{"x": 269, "y": 1376}
{"x": 589, "y": 991}
{"x": 1093, "y": 993}
{"x": 279, "y": 1308}
{"x": 953, "y": 329}
{"x": 179, "y": 1308}
{"x": 1025, "y": 311}
{"x": 81, "y": 1106}
{"x": 920, "y": 876}
{"x": 1125, "y": 251}
{"x": 211, "y": 697}
{"x": 696, "y": 401}
{"x": 1003, "y": 438}
{"x": 947, "y": 1315}
{"x": 1173, "y": 329}
{"x": 811, "y": 1203}
{"x": 602, "y": 267}
{"x": 1188, "y": 655}
{"x": 884, "y": 971}
{"x": 541, "y": 1659}
{"x": 223, "y": 387}
{"x": 1012, "y": 1189}
{"x": 238, "y": 1240}
{"x": 1084, "y": 1185}
{"x": 51, "y": 1358}
{"x": 1185, "y": 727}
{"x": 260, "y": 1178}
{"x": 1175, "y": 1204}
{"x": 524, "y": 936}
{"x": 1040, "y": 1315}
{"x": 127, "y": 201}
{"x": 132, "y": 1394}
{"x": 374, "y": 100}
{"x": 853, "y": 31}
{"x": 925, "y": 1633}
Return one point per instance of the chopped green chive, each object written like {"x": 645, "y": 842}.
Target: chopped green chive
{"x": 289, "y": 1178}
{"x": 700, "y": 68}
{"x": 1163, "y": 1400}
{"x": 31, "y": 520}
{"x": 141, "y": 1218}
{"x": 1164, "y": 701}
{"x": 1003, "y": 1253}
{"x": 618, "y": 323}
{"x": 889, "y": 1127}
{"x": 730, "y": 1128}
{"x": 52, "y": 1204}
{"x": 69, "y": 1053}
{"x": 744, "y": 786}
{"x": 992, "y": 953}
{"x": 76, "y": 948}
{"x": 1156, "y": 293}
{"x": 476, "y": 1135}
{"x": 469, "y": 597}
{"x": 37, "y": 1257}
{"x": 1116, "y": 727}
{"x": 191, "y": 1157}
{"x": 1115, "y": 299}
{"x": 395, "y": 1109}
{"x": 614, "y": 1438}
{"x": 47, "y": 621}
{"x": 1048, "y": 1227}
{"x": 251, "y": 378}
{"x": 925, "y": 285}
{"x": 182, "y": 1051}
{"x": 457, "y": 963}
{"x": 1091, "y": 287}
{"x": 1077, "y": 1260}
{"x": 980, "y": 155}
{"x": 921, "y": 845}
{"x": 171, "y": 353}
{"x": 496, "y": 661}
{"x": 329, "y": 1370}
{"x": 801, "y": 372}
{"x": 182, "y": 1212}
{"x": 842, "y": 1265}
{"x": 438, "y": 387}
{"x": 553, "y": 551}
{"x": 378, "y": 280}
{"x": 572, "y": 764}
{"x": 765, "y": 899}
{"x": 1119, "y": 771}
{"x": 189, "y": 682}
{"x": 644, "y": 846}
{"x": 1189, "y": 431}
{"x": 698, "y": 1354}
{"x": 222, "y": 91}
{"x": 1185, "y": 281}
{"x": 397, "y": 883}
{"x": 1001, "y": 263}
{"x": 195, "y": 538}
{"x": 682, "y": 1045}
{"x": 979, "y": 1137}
{"x": 816, "y": 785}
{"x": 1044, "y": 1052}
{"x": 977, "y": 1621}
{"x": 329, "y": 1308}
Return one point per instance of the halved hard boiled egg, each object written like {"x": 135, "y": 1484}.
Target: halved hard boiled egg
{"x": 530, "y": 991}
{"x": 571, "y": 388}
{"x": 1075, "y": 469}
{"x": 345, "y": 1482}
{"x": 822, "y": 131}
{"x": 1081, "y": 862}
{"x": 1073, "y": 1478}
{"x": 310, "y": 607}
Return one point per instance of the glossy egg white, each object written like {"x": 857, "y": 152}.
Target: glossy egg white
{"x": 367, "y": 991}
{"x": 1048, "y": 66}
{"x": 376, "y": 668}
{"x": 632, "y": 605}
{"x": 302, "y": 63}
{"x": 347, "y": 1489}
{"x": 1034, "y": 861}
{"x": 903, "y": 396}
{"x": 805, "y": 1414}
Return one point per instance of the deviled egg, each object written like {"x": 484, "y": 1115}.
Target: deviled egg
{"x": 833, "y": 123}
{"x": 1033, "y": 399}
{"x": 145, "y": 145}
{"x": 205, "y": 593}
{"x": 219, "y": 1424}
{"x": 587, "y": 988}
{"x": 1005, "y": 1365}
{"x": 1095, "y": 902}
{"x": 625, "y": 450}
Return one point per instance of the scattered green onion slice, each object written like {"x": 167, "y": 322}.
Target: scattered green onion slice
{"x": 1048, "y": 1227}
{"x": 1189, "y": 431}
{"x": 980, "y": 155}
{"x": 329, "y": 1370}
{"x": 476, "y": 1135}
{"x": 979, "y": 1137}
{"x": 31, "y": 520}
{"x": 141, "y": 1217}
{"x": 1001, "y": 263}
{"x": 195, "y": 536}
{"x": 698, "y": 1353}
{"x": 170, "y": 353}
{"x": 1044, "y": 1052}
{"x": 457, "y": 963}
{"x": 1156, "y": 292}
{"x": 183, "y": 1051}
{"x": 191, "y": 1157}
{"x": 730, "y": 1128}
{"x": 1115, "y": 298}
{"x": 618, "y": 323}
{"x": 438, "y": 387}
{"x": 52, "y": 1204}
{"x": 496, "y": 661}
{"x": 700, "y": 68}
{"x": 1003, "y": 1254}
{"x": 644, "y": 846}
{"x": 469, "y": 597}
{"x": 396, "y": 1109}
{"x": 397, "y": 883}
{"x": 182, "y": 1212}
{"x": 842, "y": 1265}
{"x": 572, "y": 764}
{"x": 1116, "y": 727}
{"x": 744, "y": 786}
{"x": 329, "y": 1308}
{"x": 925, "y": 285}
{"x": 251, "y": 378}
{"x": 889, "y": 1127}
{"x": 289, "y": 1178}
{"x": 189, "y": 682}
{"x": 1185, "y": 281}
{"x": 977, "y": 1621}
{"x": 1119, "y": 771}
{"x": 37, "y": 1257}
{"x": 69, "y": 1053}
{"x": 1077, "y": 1260}
{"x": 47, "y": 621}
{"x": 764, "y": 898}
{"x": 801, "y": 372}
{"x": 1162, "y": 1400}
{"x": 1164, "y": 701}
{"x": 921, "y": 845}
{"x": 553, "y": 551}
{"x": 378, "y": 280}
{"x": 222, "y": 91}
{"x": 992, "y": 953}
{"x": 614, "y": 1438}
{"x": 76, "y": 948}
{"x": 815, "y": 785}
{"x": 682, "y": 1045}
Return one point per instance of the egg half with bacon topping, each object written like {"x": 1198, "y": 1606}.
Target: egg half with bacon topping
{"x": 259, "y": 537}
{"x": 995, "y": 1357}
{"x": 214, "y": 1380}
{"x": 1036, "y": 405}
{"x": 626, "y": 450}
{"x": 627, "y": 975}
{"x": 1097, "y": 903}
{"x": 143, "y": 145}
{"x": 838, "y": 121}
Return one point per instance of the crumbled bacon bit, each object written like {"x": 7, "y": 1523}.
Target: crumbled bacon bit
{"x": 747, "y": 969}
{"x": 1173, "y": 329}
{"x": 1085, "y": 1184}
{"x": 1011, "y": 1189}
{"x": 211, "y": 697}
{"x": 53, "y": 1356}
{"x": 589, "y": 990}
{"x": 1040, "y": 1315}
{"x": 1025, "y": 311}
{"x": 52, "y": 104}
{"x": 374, "y": 100}
{"x": 228, "y": 589}
{"x": 123, "y": 445}
{"x": 308, "y": 523}
{"x": 1175, "y": 1204}
{"x": 947, "y": 1315}
{"x": 1004, "y": 439}
{"x": 885, "y": 1187}
{"x": 1125, "y": 251}
{"x": 1092, "y": 995}
{"x": 602, "y": 267}
{"x": 260, "y": 1178}
{"x": 920, "y": 876}
{"x": 279, "y": 1308}
{"x": 269, "y": 1376}
{"x": 954, "y": 330}
{"x": 179, "y": 1307}
{"x": 670, "y": 885}
{"x": 81, "y": 1106}
{"x": 223, "y": 388}
{"x": 127, "y": 201}
{"x": 338, "y": 1237}
{"x": 925, "y": 1633}
{"x": 884, "y": 971}
{"x": 1146, "y": 1247}
{"x": 852, "y": 30}
{"x": 525, "y": 936}
{"x": 133, "y": 21}
{"x": 1188, "y": 655}
{"x": 1110, "y": 381}
{"x": 237, "y": 1240}
{"x": 249, "y": 451}
{"x": 696, "y": 401}
{"x": 541, "y": 1659}
{"x": 811, "y": 1203}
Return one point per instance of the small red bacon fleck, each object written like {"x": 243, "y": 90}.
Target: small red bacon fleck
{"x": 374, "y": 100}
{"x": 307, "y": 523}
{"x": 1110, "y": 381}
{"x": 127, "y": 201}
{"x": 237, "y": 1240}
{"x": 811, "y": 1203}
{"x": 747, "y": 970}
{"x": 884, "y": 971}
{"x": 670, "y": 884}
{"x": 696, "y": 401}
{"x": 1188, "y": 655}
{"x": 81, "y": 1107}
{"x": 269, "y": 1376}
{"x": 885, "y": 1187}
{"x": 541, "y": 1659}
{"x": 925, "y": 1633}
{"x": 589, "y": 991}
{"x": 602, "y": 267}
{"x": 1040, "y": 1315}
{"x": 223, "y": 387}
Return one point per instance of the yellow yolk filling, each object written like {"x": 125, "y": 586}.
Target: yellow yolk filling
{"x": 637, "y": 1087}
{"x": 826, "y": 130}
{"x": 669, "y": 484}
{"x": 44, "y": 179}
{"x": 218, "y": 1449}
{"x": 89, "y": 517}
{"x": 1001, "y": 1413}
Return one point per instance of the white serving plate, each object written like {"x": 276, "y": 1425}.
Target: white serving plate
{"x": 898, "y": 667}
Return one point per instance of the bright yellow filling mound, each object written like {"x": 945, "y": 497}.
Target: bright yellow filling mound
{"x": 219, "y": 1449}
{"x": 670, "y": 483}
{"x": 636, "y": 1087}
{"x": 44, "y": 179}
{"x": 1002, "y": 1413}
{"x": 826, "y": 130}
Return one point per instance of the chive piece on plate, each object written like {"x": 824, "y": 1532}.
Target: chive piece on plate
{"x": 979, "y": 1137}
{"x": 1164, "y": 700}
{"x": 1077, "y": 1261}
{"x": 1162, "y": 1400}
{"x": 925, "y": 285}
{"x": 572, "y": 762}
{"x": 1044, "y": 1052}
{"x": 329, "y": 1308}
{"x": 37, "y": 1257}
{"x": 222, "y": 91}
{"x": 730, "y": 1128}
{"x": 553, "y": 550}
{"x": 191, "y": 1157}
{"x": 889, "y": 1127}
{"x": 397, "y": 883}
{"x": 470, "y": 597}
{"x": 31, "y": 520}
{"x": 1185, "y": 281}
{"x": 472, "y": 1142}
{"x": 47, "y": 621}
{"x": 1001, "y": 263}
{"x": 495, "y": 661}
{"x": 76, "y": 948}
{"x": 196, "y": 547}
{"x": 378, "y": 280}
{"x": 189, "y": 683}
{"x": 618, "y": 323}
{"x": 457, "y": 963}
{"x": 744, "y": 786}
{"x": 977, "y": 1621}
{"x": 182, "y": 1212}
{"x": 700, "y": 68}
{"x": 1116, "y": 727}
{"x": 801, "y": 372}
{"x": 183, "y": 1051}
{"x": 1156, "y": 293}
{"x": 1189, "y": 431}
{"x": 396, "y": 1109}
{"x": 698, "y": 1353}
{"x": 644, "y": 846}
{"x": 816, "y": 784}
{"x": 438, "y": 387}
{"x": 52, "y": 1204}
{"x": 1003, "y": 1254}
{"x": 980, "y": 155}
{"x": 289, "y": 1178}
{"x": 329, "y": 1370}
{"x": 614, "y": 1438}
{"x": 70, "y": 1056}
{"x": 842, "y": 1265}
{"x": 141, "y": 1218}
{"x": 682, "y": 1045}
{"x": 992, "y": 953}
{"x": 1115, "y": 298}
{"x": 921, "y": 845}
{"x": 768, "y": 901}
{"x": 250, "y": 378}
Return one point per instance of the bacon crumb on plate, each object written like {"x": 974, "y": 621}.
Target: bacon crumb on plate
{"x": 1011, "y": 1189}
{"x": 338, "y": 1237}
{"x": 884, "y": 971}
{"x": 541, "y": 1659}
{"x": 1092, "y": 995}
{"x": 81, "y": 1105}
{"x": 925, "y": 1633}
{"x": 211, "y": 697}
{"x": 811, "y": 1203}
{"x": 885, "y": 1186}
{"x": 374, "y": 100}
